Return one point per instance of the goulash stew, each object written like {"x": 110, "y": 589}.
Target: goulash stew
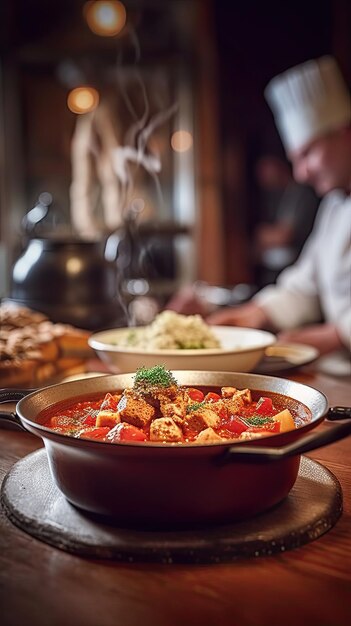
{"x": 157, "y": 409}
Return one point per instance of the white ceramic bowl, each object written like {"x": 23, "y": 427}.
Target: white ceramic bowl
{"x": 242, "y": 349}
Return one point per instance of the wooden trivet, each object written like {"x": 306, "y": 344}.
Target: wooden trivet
{"x": 32, "y": 502}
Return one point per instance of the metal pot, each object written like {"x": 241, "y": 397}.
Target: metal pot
{"x": 155, "y": 485}
{"x": 69, "y": 280}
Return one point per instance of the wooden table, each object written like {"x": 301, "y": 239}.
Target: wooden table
{"x": 43, "y": 586}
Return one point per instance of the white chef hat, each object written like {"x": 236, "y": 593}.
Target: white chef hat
{"x": 308, "y": 101}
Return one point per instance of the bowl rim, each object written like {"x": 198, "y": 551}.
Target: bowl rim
{"x": 96, "y": 342}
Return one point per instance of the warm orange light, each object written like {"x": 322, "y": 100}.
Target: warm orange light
{"x": 105, "y": 17}
{"x": 181, "y": 141}
{"x": 82, "y": 99}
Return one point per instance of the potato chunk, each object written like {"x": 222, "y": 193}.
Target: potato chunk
{"x": 108, "y": 418}
{"x": 286, "y": 421}
{"x": 208, "y": 436}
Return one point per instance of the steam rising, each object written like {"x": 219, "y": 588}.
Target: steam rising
{"x": 126, "y": 159}
{"x": 137, "y": 154}
{"x": 96, "y": 151}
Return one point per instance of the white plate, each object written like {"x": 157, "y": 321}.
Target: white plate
{"x": 286, "y": 356}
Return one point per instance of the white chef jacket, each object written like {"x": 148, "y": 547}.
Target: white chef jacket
{"x": 318, "y": 286}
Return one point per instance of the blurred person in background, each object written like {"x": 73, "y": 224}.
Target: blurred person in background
{"x": 287, "y": 210}
{"x": 311, "y": 300}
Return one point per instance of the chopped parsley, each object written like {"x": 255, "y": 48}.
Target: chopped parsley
{"x": 156, "y": 376}
{"x": 195, "y": 406}
{"x": 257, "y": 420}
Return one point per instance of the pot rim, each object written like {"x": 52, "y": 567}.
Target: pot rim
{"x": 101, "y": 384}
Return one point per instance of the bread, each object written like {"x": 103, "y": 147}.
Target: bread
{"x": 72, "y": 342}
{"x": 18, "y": 373}
{"x": 34, "y": 350}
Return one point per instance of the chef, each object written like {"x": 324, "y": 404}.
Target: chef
{"x": 311, "y": 300}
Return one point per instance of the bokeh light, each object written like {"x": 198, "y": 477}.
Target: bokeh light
{"x": 181, "y": 141}
{"x": 82, "y": 100}
{"x": 105, "y": 17}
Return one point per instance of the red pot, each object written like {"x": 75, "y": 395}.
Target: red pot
{"x": 154, "y": 484}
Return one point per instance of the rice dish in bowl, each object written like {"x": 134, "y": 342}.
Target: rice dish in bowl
{"x": 181, "y": 342}
{"x": 172, "y": 331}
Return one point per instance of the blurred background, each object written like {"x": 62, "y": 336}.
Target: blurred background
{"x": 140, "y": 124}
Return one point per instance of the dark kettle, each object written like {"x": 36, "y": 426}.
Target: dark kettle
{"x": 67, "y": 278}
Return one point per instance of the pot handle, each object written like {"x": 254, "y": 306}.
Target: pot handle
{"x": 12, "y": 395}
{"x": 260, "y": 454}
{"x": 339, "y": 413}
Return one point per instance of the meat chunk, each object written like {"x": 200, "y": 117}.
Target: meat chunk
{"x": 176, "y": 409}
{"x": 234, "y": 404}
{"x": 220, "y": 408}
{"x": 134, "y": 410}
{"x": 202, "y": 418}
{"x": 245, "y": 394}
{"x": 165, "y": 429}
{"x": 208, "y": 436}
{"x": 228, "y": 392}
{"x": 232, "y": 392}
{"x": 156, "y": 395}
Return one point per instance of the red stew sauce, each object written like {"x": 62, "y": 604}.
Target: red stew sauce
{"x": 192, "y": 415}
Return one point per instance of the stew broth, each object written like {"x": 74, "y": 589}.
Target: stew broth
{"x": 176, "y": 415}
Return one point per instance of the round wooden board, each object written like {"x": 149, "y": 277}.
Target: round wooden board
{"x": 32, "y": 502}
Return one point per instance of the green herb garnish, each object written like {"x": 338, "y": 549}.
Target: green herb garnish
{"x": 257, "y": 420}
{"x": 156, "y": 376}
{"x": 195, "y": 406}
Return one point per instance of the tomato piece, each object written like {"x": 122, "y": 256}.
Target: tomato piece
{"x": 235, "y": 425}
{"x": 212, "y": 397}
{"x": 110, "y": 402}
{"x": 189, "y": 434}
{"x": 126, "y": 432}
{"x": 90, "y": 420}
{"x": 195, "y": 394}
{"x": 264, "y": 406}
{"x": 94, "y": 433}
